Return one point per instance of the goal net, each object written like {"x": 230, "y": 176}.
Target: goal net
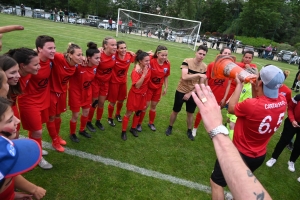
{"x": 158, "y": 27}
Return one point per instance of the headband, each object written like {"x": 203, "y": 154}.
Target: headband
{"x": 163, "y": 51}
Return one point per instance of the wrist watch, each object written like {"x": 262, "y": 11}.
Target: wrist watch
{"x": 221, "y": 129}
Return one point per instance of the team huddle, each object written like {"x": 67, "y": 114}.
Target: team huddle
{"x": 41, "y": 80}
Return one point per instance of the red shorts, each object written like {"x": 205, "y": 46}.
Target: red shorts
{"x": 77, "y": 109}
{"x": 16, "y": 114}
{"x": 136, "y": 102}
{"x": 58, "y": 103}
{"x": 33, "y": 118}
{"x": 99, "y": 88}
{"x": 117, "y": 92}
{"x": 154, "y": 94}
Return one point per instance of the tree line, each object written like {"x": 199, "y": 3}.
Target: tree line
{"x": 278, "y": 20}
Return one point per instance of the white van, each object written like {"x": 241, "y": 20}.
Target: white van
{"x": 93, "y": 17}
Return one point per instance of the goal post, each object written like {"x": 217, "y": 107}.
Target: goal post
{"x": 158, "y": 27}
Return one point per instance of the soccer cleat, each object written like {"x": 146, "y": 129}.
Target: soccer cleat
{"x": 139, "y": 128}
{"x": 111, "y": 122}
{"x": 57, "y": 146}
{"x": 90, "y": 126}
{"x": 84, "y": 134}
{"x": 124, "y": 136}
{"x": 194, "y": 132}
{"x": 44, "y": 152}
{"x": 134, "y": 132}
{"x": 74, "y": 138}
{"x": 297, "y": 90}
{"x": 62, "y": 141}
{"x": 44, "y": 164}
{"x": 291, "y": 166}
{"x": 190, "y": 135}
{"x": 271, "y": 162}
{"x": 298, "y": 179}
{"x": 169, "y": 131}
{"x": 292, "y": 88}
{"x": 99, "y": 125}
{"x": 152, "y": 127}
{"x": 119, "y": 118}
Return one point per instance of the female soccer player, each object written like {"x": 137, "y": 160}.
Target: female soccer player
{"x": 100, "y": 84}
{"x": 137, "y": 98}
{"x": 35, "y": 99}
{"x": 80, "y": 91}
{"x": 118, "y": 82}
{"x": 28, "y": 62}
{"x": 64, "y": 66}
{"x": 160, "y": 71}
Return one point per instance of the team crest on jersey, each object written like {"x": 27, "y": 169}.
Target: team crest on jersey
{"x": 165, "y": 70}
{"x": 51, "y": 65}
{"x": 128, "y": 61}
{"x": 76, "y": 65}
{"x": 95, "y": 70}
{"x": 113, "y": 57}
{"x": 244, "y": 90}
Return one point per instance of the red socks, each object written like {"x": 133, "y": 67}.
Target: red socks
{"x": 197, "y": 120}
{"x": 83, "y": 121}
{"x": 110, "y": 111}
{"x": 51, "y": 130}
{"x": 57, "y": 125}
{"x": 99, "y": 113}
{"x": 91, "y": 114}
{"x": 38, "y": 140}
{"x": 72, "y": 127}
{"x": 141, "y": 118}
{"x": 119, "y": 108}
{"x": 135, "y": 121}
{"x": 125, "y": 123}
{"x": 152, "y": 115}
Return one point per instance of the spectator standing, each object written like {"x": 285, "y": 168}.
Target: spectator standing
{"x": 22, "y": 10}
{"x": 166, "y": 33}
{"x": 120, "y": 22}
{"x": 130, "y": 26}
{"x": 159, "y": 32}
{"x": 110, "y": 23}
{"x": 66, "y": 18}
{"x": 55, "y": 13}
{"x": 61, "y": 15}
{"x": 296, "y": 81}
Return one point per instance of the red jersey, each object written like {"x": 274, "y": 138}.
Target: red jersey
{"x": 9, "y": 192}
{"x": 61, "y": 73}
{"x": 119, "y": 73}
{"x": 158, "y": 73}
{"x": 135, "y": 77}
{"x": 80, "y": 84}
{"x": 257, "y": 120}
{"x": 294, "y": 109}
{"x": 37, "y": 90}
{"x": 105, "y": 67}
{"x": 286, "y": 91}
{"x": 218, "y": 86}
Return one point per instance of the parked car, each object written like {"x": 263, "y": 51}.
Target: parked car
{"x": 104, "y": 24}
{"x": 94, "y": 20}
{"x": 8, "y": 10}
{"x": 212, "y": 39}
{"x": 247, "y": 48}
{"x": 196, "y": 37}
{"x": 187, "y": 39}
{"x": 239, "y": 44}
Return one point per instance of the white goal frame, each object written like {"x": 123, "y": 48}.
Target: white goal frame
{"x": 162, "y": 16}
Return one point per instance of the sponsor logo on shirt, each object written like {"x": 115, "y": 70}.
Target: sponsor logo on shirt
{"x": 156, "y": 80}
{"x": 128, "y": 61}
{"x": 283, "y": 93}
{"x": 219, "y": 82}
{"x": 121, "y": 72}
{"x": 113, "y": 57}
{"x": 95, "y": 70}
{"x": 86, "y": 85}
{"x": 43, "y": 83}
{"x": 81, "y": 72}
{"x": 107, "y": 71}
{"x": 65, "y": 80}
{"x": 274, "y": 105}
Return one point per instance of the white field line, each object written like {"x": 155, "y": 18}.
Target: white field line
{"x": 133, "y": 168}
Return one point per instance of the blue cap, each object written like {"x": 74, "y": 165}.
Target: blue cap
{"x": 18, "y": 156}
{"x": 272, "y": 77}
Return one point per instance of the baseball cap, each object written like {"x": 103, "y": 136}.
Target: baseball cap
{"x": 18, "y": 156}
{"x": 272, "y": 77}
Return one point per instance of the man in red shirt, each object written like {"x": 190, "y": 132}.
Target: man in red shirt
{"x": 258, "y": 118}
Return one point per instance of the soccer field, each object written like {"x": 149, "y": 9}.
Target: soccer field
{"x": 152, "y": 166}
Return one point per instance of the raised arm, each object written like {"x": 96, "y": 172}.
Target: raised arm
{"x": 241, "y": 182}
